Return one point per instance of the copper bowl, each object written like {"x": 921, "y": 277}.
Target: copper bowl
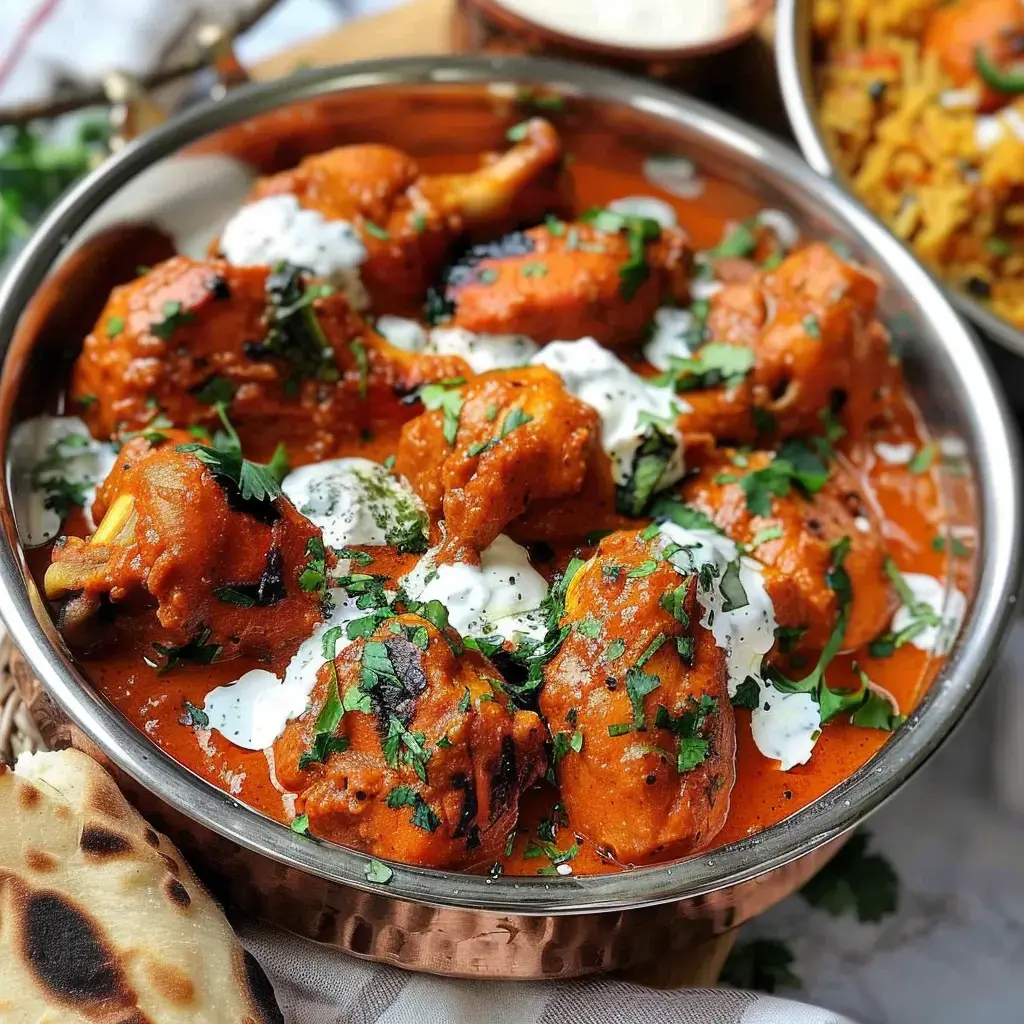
{"x": 455, "y": 924}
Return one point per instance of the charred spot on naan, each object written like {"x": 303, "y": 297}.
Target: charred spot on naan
{"x": 103, "y": 843}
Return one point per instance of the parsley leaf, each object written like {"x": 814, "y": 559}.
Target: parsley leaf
{"x": 639, "y": 231}
{"x": 747, "y": 695}
{"x": 797, "y": 464}
{"x": 253, "y": 481}
{"x": 638, "y": 685}
{"x": 174, "y": 315}
{"x": 649, "y": 464}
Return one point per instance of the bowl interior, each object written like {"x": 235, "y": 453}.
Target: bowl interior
{"x": 176, "y": 187}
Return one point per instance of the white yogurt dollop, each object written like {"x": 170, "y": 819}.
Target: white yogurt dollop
{"x": 276, "y": 228}
{"x": 948, "y": 604}
{"x": 670, "y": 338}
{"x": 625, "y": 402}
{"x": 356, "y": 501}
{"x": 645, "y": 206}
{"x": 895, "y": 454}
{"x": 675, "y": 174}
{"x": 483, "y": 352}
{"x": 785, "y": 726}
{"x": 501, "y": 596}
{"x": 253, "y": 710}
{"x": 51, "y": 457}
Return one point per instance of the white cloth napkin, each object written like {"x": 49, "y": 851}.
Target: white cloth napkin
{"x": 45, "y": 44}
{"x": 316, "y": 984}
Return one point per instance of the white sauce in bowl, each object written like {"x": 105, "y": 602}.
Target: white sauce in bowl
{"x": 637, "y": 24}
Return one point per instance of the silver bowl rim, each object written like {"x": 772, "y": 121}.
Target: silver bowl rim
{"x": 992, "y": 434}
{"x": 796, "y": 82}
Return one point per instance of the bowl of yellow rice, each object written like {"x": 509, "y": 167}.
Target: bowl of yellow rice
{"x": 917, "y": 106}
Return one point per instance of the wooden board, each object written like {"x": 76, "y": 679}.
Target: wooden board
{"x": 423, "y": 26}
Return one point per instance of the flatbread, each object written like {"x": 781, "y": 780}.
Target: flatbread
{"x": 101, "y": 920}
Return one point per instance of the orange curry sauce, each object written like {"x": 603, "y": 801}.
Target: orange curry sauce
{"x": 909, "y": 505}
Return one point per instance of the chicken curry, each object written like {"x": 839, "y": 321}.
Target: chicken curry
{"x": 522, "y": 518}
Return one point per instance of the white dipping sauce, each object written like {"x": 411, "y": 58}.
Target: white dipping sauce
{"x": 356, "y": 501}
{"x": 948, "y": 604}
{"x": 253, "y": 710}
{"x": 483, "y": 352}
{"x": 277, "y": 228}
{"x": 785, "y": 726}
{"x": 670, "y": 337}
{"x": 84, "y": 461}
{"x": 622, "y": 398}
{"x": 643, "y": 24}
{"x": 502, "y": 595}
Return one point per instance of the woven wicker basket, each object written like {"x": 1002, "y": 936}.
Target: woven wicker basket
{"x": 26, "y": 718}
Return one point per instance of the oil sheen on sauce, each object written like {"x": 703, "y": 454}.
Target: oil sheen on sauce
{"x": 908, "y": 504}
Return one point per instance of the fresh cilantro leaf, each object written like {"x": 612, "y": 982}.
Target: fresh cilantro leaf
{"x": 518, "y": 132}
{"x": 731, "y": 588}
{"x": 638, "y": 685}
{"x": 713, "y": 365}
{"x": 300, "y": 825}
{"x": 198, "y": 651}
{"x": 957, "y": 547}
{"x": 216, "y": 391}
{"x": 378, "y": 873}
{"x": 747, "y": 695}
{"x": 855, "y": 882}
{"x": 651, "y": 460}
{"x": 376, "y": 230}
{"x": 589, "y": 627}
{"x": 195, "y": 716}
{"x": 253, "y": 481}
{"x": 923, "y": 459}
{"x": 773, "y": 532}
{"x": 446, "y": 396}
{"x": 670, "y": 508}
{"x": 740, "y": 243}
{"x": 174, "y": 316}
{"x": 115, "y": 325}
{"x": 616, "y": 649}
{"x": 761, "y": 965}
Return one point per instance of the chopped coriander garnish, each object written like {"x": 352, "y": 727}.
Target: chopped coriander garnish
{"x": 956, "y": 547}
{"x": 565, "y": 742}
{"x": 747, "y": 695}
{"x": 923, "y": 459}
{"x": 255, "y": 482}
{"x": 216, "y": 391}
{"x": 739, "y": 242}
{"x": 534, "y": 269}
{"x": 650, "y": 461}
{"x": 812, "y": 327}
{"x": 518, "y": 132}
{"x": 796, "y": 464}
{"x": 115, "y": 325}
{"x": 773, "y": 532}
{"x": 446, "y": 396}
{"x": 555, "y": 226}
{"x": 645, "y": 568}
{"x": 999, "y": 247}
{"x": 713, "y": 365}
{"x": 358, "y": 350}
{"x": 638, "y": 685}
{"x": 197, "y": 651}
{"x": 174, "y": 315}
{"x": 377, "y": 872}
{"x": 639, "y": 231}
{"x": 195, "y": 716}
{"x": 731, "y": 588}
{"x": 376, "y": 230}
{"x": 300, "y": 825}
{"x": 616, "y": 649}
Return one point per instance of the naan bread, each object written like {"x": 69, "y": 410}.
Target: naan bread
{"x": 101, "y": 921}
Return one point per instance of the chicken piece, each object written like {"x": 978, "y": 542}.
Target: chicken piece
{"x": 430, "y": 769}
{"x": 798, "y": 559}
{"x": 562, "y": 282}
{"x": 504, "y": 441}
{"x": 408, "y": 220}
{"x": 817, "y": 347}
{"x": 956, "y": 31}
{"x": 222, "y": 568}
{"x": 657, "y": 762}
{"x": 187, "y": 334}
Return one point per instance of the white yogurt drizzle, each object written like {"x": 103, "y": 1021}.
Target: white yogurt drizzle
{"x": 53, "y": 449}
{"x": 356, "y": 501}
{"x": 253, "y": 710}
{"x": 624, "y": 400}
{"x": 276, "y": 228}
{"x": 483, "y": 352}
{"x": 785, "y": 726}
{"x": 677, "y": 175}
{"x": 948, "y": 604}
{"x": 895, "y": 454}
{"x": 502, "y": 596}
{"x": 670, "y": 337}
{"x": 646, "y": 206}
